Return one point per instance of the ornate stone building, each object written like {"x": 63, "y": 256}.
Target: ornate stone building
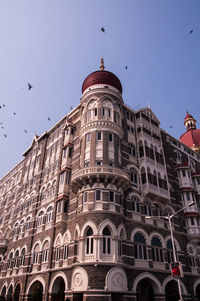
{"x": 72, "y": 212}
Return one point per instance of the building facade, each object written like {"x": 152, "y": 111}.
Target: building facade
{"x": 72, "y": 212}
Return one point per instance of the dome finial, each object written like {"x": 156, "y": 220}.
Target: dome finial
{"x": 102, "y": 67}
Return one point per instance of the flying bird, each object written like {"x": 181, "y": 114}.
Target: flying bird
{"x": 14, "y": 113}
{"x": 2, "y": 127}
{"x": 191, "y": 31}
{"x": 102, "y": 29}
{"x": 71, "y": 108}
{"x": 49, "y": 119}
{"x": 3, "y": 105}
{"x": 171, "y": 126}
{"x": 0, "y": 107}
{"x": 25, "y": 131}
{"x": 126, "y": 67}
{"x": 5, "y": 135}
{"x": 29, "y": 86}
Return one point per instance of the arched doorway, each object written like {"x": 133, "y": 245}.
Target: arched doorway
{"x": 197, "y": 292}
{"x": 58, "y": 290}
{"x": 3, "y": 294}
{"x": 171, "y": 291}
{"x": 10, "y": 293}
{"x": 36, "y": 291}
{"x": 145, "y": 291}
{"x": 16, "y": 293}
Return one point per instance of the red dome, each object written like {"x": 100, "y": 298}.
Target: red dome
{"x": 191, "y": 138}
{"x": 188, "y": 116}
{"x": 102, "y": 77}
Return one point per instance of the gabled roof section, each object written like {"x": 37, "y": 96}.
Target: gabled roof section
{"x": 150, "y": 113}
{"x": 35, "y": 140}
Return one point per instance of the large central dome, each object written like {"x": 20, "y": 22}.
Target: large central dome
{"x": 102, "y": 77}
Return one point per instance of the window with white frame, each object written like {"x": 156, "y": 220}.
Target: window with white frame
{"x": 57, "y": 253}
{"x": 170, "y": 255}
{"x": 65, "y": 251}
{"x": 88, "y": 138}
{"x": 106, "y": 241}
{"x": 135, "y": 204}
{"x": 97, "y": 195}
{"x": 45, "y": 251}
{"x": 140, "y": 246}
{"x": 89, "y": 241}
{"x": 157, "y": 250}
{"x": 40, "y": 219}
{"x": 49, "y": 214}
{"x": 22, "y": 257}
{"x": 85, "y": 196}
{"x": 99, "y": 136}
{"x": 35, "y": 257}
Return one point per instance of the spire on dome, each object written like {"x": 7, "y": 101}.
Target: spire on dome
{"x": 102, "y": 67}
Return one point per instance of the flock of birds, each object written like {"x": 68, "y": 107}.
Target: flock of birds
{"x": 14, "y": 113}
{"x": 30, "y": 87}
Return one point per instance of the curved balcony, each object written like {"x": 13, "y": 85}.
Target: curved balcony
{"x": 103, "y": 174}
{"x": 102, "y": 124}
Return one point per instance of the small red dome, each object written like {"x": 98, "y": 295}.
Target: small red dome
{"x": 102, "y": 77}
{"x": 188, "y": 116}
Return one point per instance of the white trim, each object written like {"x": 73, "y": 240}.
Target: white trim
{"x": 62, "y": 275}
{"x": 116, "y": 280}
{"x": 38, "y": 278}
{"x": 153, "y": 280}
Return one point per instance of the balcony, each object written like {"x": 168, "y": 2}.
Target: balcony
{"x": 155, "y": 192}
{"x": 104, "y": 174}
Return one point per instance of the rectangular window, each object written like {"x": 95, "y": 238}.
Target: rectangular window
{"x": 183, "y": 173}
{"x": 110, "y": 137}
{"x": 188, "y": 196}
{"x": 103, "y": 112}
{"x": 70, "y": 152}
{"x": 98, "y": 135}
{"x": 198, "y": 181}
{"x": 98, "y": 163}
{"x": 59, "y": 207}
{"x": 98, "y": 195}
{"x": 57, "y": 254}
{"x": 65, "y": 253}
{"x": 95, "y": 112}
{"x": 88, "y": 138}
{"x": 192, "y": 221}
{"x": 85, "y": 196}
{"x": 111, "y": 193}
{"x": 64, "y": 153}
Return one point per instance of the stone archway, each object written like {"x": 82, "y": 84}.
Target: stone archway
{"x": 145, "y": 291}
{"x": 197, "y": 292}
{"x": 171, "y": 291}
{"x": 3, "y": 294}
{"x": 17, "y": 293}
{"x": 9, "y": 293}
{"x": 58, "y": 290}
{"x": 35, "y": 292}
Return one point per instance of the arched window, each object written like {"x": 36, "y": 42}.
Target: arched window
{"x": 191, "y": 257}
{"x": 42, "y": 196}
{"x": 22, "y": 258}
{"x": 66, "y": 248}
{"x": 57, "y": 249}
{"x": 133, "y": 175}
{"x": 106, "y": 241}
{"x": 36, "y": 251}
{"x": 157, "y": 251}
{"x": 16, "y": 229}
{"x": 135, "y": 204}
{"x": 48, "y": 193}
{"x": 122, "y": 236}
{"x": 49, "y": 214}
{"x": 27, "y": 225}
{"x": 16, "y": 261}
{"x": 40, "y": 220}
{"x": 45, "y": 251}
{"x": 10, "y": 261}
{"x": 143, "y": 175}
{"x": 89, "y": 241}
{"x": 140, "y": 246}
{"x": 170, "y": 256}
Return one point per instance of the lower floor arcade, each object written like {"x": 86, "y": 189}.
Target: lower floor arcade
{"x": 146, "y": 287}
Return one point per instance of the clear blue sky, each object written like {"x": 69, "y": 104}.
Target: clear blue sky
{"x": 55, "y": 44}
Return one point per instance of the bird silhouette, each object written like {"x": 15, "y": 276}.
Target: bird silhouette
{"x": 126, "y": 67}
{"x": 71, "y": 108}
{"x": 25, "y": 131}
{"x": 5, "y": 135}
{"x": 29, "y": 86}
{"x": 49, "y": 119}
{"x": 0, "y": 107}
{"x": 1, "y": 122}
{"x": 14, "y": 113}
{"x": 2, "y": 127}
{"x": 171, "y": 126}
{"x": 191, "y": 31}
{"x": 3, "y": 105}
{"x": 102, "y": 29}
